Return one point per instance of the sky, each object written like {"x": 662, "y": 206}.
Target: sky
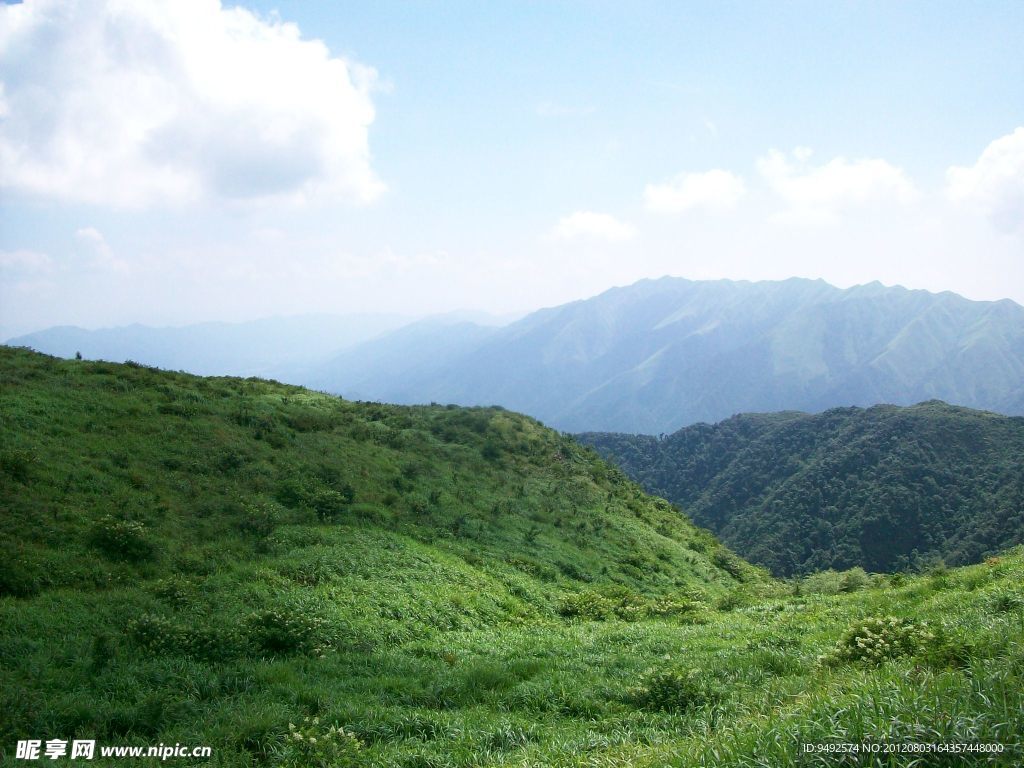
{"x": 185, "y": 161}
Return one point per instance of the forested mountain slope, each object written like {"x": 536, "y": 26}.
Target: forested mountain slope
{"x": 883, "y": 488}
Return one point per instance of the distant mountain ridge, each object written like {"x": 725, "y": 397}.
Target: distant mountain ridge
{"x": 885, "y": 488}
{"x": 661, "y": 354}
{"x": 273, "y": 347}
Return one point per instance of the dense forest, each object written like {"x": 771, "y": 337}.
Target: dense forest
{"x": 885, "y": 488}
{"x": 295, "y": 580}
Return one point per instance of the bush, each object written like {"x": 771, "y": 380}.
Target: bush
{"x": 327, "y": 503}
{"x": 827, "y": 582}
{"x": 586, "y": 605}
{"x": 312, "y": 745}
{"x": 288, "y": 630}
{"x": 259, "y": 518}
{"x": 877, "y": 639}
{"x": 190, "y": 637}
{"x": 675, "y": 690}
{"x": 853, "y": 579}
{"x": 122, "y": 539}
{"x": 729, "y": 563}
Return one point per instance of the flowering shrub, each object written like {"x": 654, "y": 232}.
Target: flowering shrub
{"x": 312, "y": 745}
{"x": 122, "y": 539}
{"x": 877, "y": 639}
{"x": 292, "y": 630}
{"x": 586, "y": 605}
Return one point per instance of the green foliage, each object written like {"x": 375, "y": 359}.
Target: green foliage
{"x": 675, "y": 689}
{"x": 184, "y": 635}
{"x": 436, "y": 638}
{"x": 290, "y": 629}
{"x": 586, "y": 605}
{"x": 884, "y": 488}
{"x": 831, "y": 582}
{"x": 312, "y": 745}
{"x": 122, "y": 539}
{"x": 878, "y": 639}
{"x": 1007, "y": 600}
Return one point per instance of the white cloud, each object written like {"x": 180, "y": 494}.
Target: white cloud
{"x": 132, "y": 102}
{"x": 995, "y": 183}
{"x": 823, "y": 189}
{"x": 715, "y": 189}
{"x": 588, "y": 224}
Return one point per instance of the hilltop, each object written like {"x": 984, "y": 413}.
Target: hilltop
{"x": 885, "y": 488}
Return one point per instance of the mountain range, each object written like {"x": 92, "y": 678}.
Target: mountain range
{"x": 661, "y": 354}
{"x": 650, "y": 357}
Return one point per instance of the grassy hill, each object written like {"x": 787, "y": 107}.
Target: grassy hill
{"x": 885, "y": 488}
{"x": 228, "y": 562}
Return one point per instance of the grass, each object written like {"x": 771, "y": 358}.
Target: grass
{"x": 212, "y": 561}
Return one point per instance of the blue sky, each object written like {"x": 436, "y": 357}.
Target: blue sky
{"x": 205, "y": 162}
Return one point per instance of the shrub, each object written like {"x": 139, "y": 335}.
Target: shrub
{"x": 312, "y": 745}
{"x": 675, "y": 690}
{"x": 287, "y": 630}
{"x": 674, "y": 606}
{"x": 729, "y": 563}
{"x": 853, "y": 579}
{"x": 122, "y": 539}
{"x": 586, "y": 605}
{"x": 176, "y": 590}
{"x": 879, "y": 639}
{"x": 259, "y": 518}
{"x": 490, "y": 450}
{"x": 158, "y": 634}
{"x": 327, "y": 503}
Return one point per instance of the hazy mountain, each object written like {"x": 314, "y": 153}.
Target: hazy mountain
{"x": 276, "y": 347}
{"x": 413, "y": 354}
{"x": 882, "y": 488}
{"x": 660, "y": 354}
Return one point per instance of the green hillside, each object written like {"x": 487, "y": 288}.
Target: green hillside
{"x": 884, "y": 488}
{"x": 230, "y": 563}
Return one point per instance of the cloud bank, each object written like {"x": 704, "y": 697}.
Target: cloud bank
{"x": 137, "y": 102}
